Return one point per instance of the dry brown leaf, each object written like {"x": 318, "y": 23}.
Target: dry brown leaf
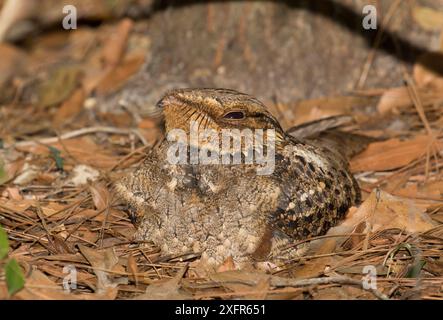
{"x": 84, "y": 150}
{"x": 11, "y": 63}
{"x": 71, "y": 107}
{"x": 391, "y": 154}
{"x": 45, "y": 178}
{"x": 117, "y": 77}
{"x": 342, "y": 293}
{"x": 52, "y": 208}
{"x": 148, "y": 123}
{"x": 383, "y": 211}
{"x": 17, "y": 205}
{"x": 39, "y": 287}
{"x": 132, "y": 268}
{"x": 82, "y": 215}
{"x": 166, "y": 289}
{"x": 432, "y": 187}
{"x": 397, "y": 182}
{"x": 59, "y": 245}
{"x": 313, "y": 268}
{"x": 14, "y": 194}
{"x": 227, "y": 265}
{"x": 261, "y": 288}
{"x": 398, "y": 98}
{"x": 240, "y": 281}
{"x": 100, "y": 195}
{"x": 432, "y": 190}
{"x": 410, "y": 191}
{"x": 92, "y": 78}
{"x": 83, "y": 233}
{"x": 115, "y": 46}
{"x": 427, "y": 71}
{"x": 119, "y": 120}
{"x": 3, "y": 291}
{"x": 249, "y": 278}
{"x": 309, "y": 110}
{"x": 428, "y": 18}
{"x": 151, "y": 135}
{"x": 316, "y": 267}
{"x": 12, "y": 168}
{"x": 394, "y": 98}
{"x": 377, "y": 212}
{"x": 83, "y": 278}
{"x": 69, "y": 258}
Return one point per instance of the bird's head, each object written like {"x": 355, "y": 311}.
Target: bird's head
{"x": 216, "y": 109}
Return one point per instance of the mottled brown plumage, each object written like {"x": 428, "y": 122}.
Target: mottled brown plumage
{"x": 222, "y": 210}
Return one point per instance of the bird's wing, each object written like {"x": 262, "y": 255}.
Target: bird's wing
{"x": 326, "y": 133}
{"x": 312, "y": 128}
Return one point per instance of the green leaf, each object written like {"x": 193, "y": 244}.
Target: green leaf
{"x": 55, "y": 153}
{"x": 414, "y": 270}
{"x": 4, "y": 245}
{"x": 3, "y": 174}
{"x": 14, "y": 277}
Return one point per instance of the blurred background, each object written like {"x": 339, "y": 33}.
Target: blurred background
{"x": 279, "y": 51}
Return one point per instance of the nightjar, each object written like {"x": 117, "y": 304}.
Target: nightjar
{"x": 186, "y": 203}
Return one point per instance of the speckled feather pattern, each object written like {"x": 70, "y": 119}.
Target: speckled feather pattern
{"x": 229, "y": 210}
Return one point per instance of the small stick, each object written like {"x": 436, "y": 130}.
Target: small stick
{"x": 285, "y": 282}
{"x": 81, "y": 132}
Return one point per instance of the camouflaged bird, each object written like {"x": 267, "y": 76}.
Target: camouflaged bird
{"x": 222, "y": 210}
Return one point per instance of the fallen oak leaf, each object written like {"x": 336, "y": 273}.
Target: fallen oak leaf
{"x": 391, "y": 154}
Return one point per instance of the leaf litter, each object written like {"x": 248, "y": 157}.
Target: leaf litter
{"x": 58, "y": 209}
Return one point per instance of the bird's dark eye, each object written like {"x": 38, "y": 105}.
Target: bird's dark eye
{"x": 236, "y": 115}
